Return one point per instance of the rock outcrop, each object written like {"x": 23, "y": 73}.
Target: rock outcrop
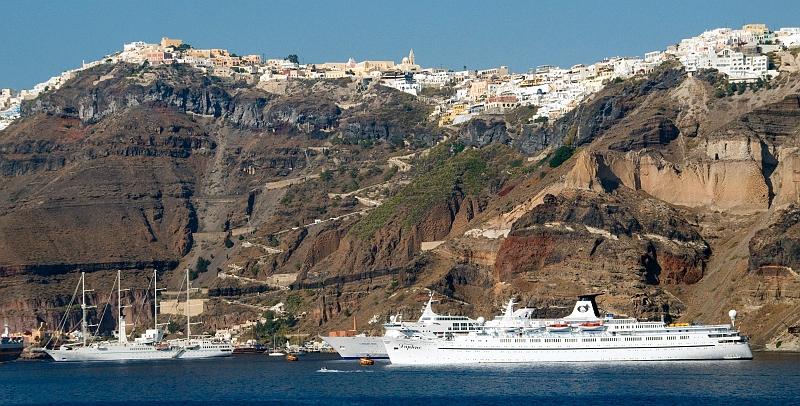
{"x": 778, "y": 245}
{"x": 481, "y": 132}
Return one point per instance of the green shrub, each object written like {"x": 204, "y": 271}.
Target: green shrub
{"x": 326, "y": 176}
{"x": 202, "y": 265}
{"x": 293, "y": 303}
{"x": 390, "y": 173}
{"x": 731, "y": 89}
{"x": 563, "y": 153}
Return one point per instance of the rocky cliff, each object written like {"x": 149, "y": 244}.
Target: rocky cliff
{"x": 676, "y": 203}
{"x": 125, "y": 166}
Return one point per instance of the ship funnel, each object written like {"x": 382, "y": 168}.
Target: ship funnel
{"x": 732, "y": 315}
{"x": 427, "y": 312}
{"x": 585, "y": 308}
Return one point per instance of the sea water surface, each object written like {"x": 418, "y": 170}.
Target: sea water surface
{"x": 325, "y": 379}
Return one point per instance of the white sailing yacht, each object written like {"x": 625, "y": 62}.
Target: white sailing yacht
{"x": 200, "y": 346}
{"x": 146, "y": 347}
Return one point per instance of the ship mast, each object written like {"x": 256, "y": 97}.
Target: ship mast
{"x": 121, "y": 327}
{"x": 188, "y": 312}
{"x": 188, "y": 322}
{"x": 155, "y": 299}
{"x": 83, "y": 307}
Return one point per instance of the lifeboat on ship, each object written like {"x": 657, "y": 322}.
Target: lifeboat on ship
{"x": 559, "y": 328}
{"x": 163, "y": 347}
{"x": 591, "y": 326}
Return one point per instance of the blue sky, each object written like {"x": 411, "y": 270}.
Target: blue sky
{"x": 42, "y": 38}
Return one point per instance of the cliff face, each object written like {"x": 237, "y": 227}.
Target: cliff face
{"x": 123, "y": 166}
{"x": 480, "y": 133}
{"x": 668, "y": 187}
{"x": 447, "y": 198}
{"x": 623, "y": 242}
{"x": 676, "y": 203}
{"x": 604, "y": 110}
{"x": 65, "y": 204}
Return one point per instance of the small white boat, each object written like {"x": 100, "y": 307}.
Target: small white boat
{"x": 274, "y": 352}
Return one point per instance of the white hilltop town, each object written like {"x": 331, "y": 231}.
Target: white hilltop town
{"x": 741, "y": 54}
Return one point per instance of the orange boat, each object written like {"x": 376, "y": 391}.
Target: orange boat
{"x": 366, "y": 361}
{"x": 559, "y": 327}
{"x": 591, "y": 326}
{"x": 292, "y": 357}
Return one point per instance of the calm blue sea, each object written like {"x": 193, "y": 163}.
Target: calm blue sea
{"x": 257, "y": 379}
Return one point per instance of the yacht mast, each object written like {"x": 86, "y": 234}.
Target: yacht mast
{"x": 119, "y": 306}
{"x": 121, "y": 327}
{"x": 83, "y": 307}
{"x": 155, "y": 299}
{"x": 188, "y": 322}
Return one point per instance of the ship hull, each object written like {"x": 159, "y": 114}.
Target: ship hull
{"x": 358, "y": 347}
{"x": 10, "y": 353}
{"x": 203, "y": 348}
{"x": 443, "y": 352}
{"x": 195, "y": 354}
{"x": 92, "y": 354}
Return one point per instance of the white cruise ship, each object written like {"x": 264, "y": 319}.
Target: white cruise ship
{"x": 582, "y": 336}
{"x": 429, "y": 323}
{"x": 146, "y": 347}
